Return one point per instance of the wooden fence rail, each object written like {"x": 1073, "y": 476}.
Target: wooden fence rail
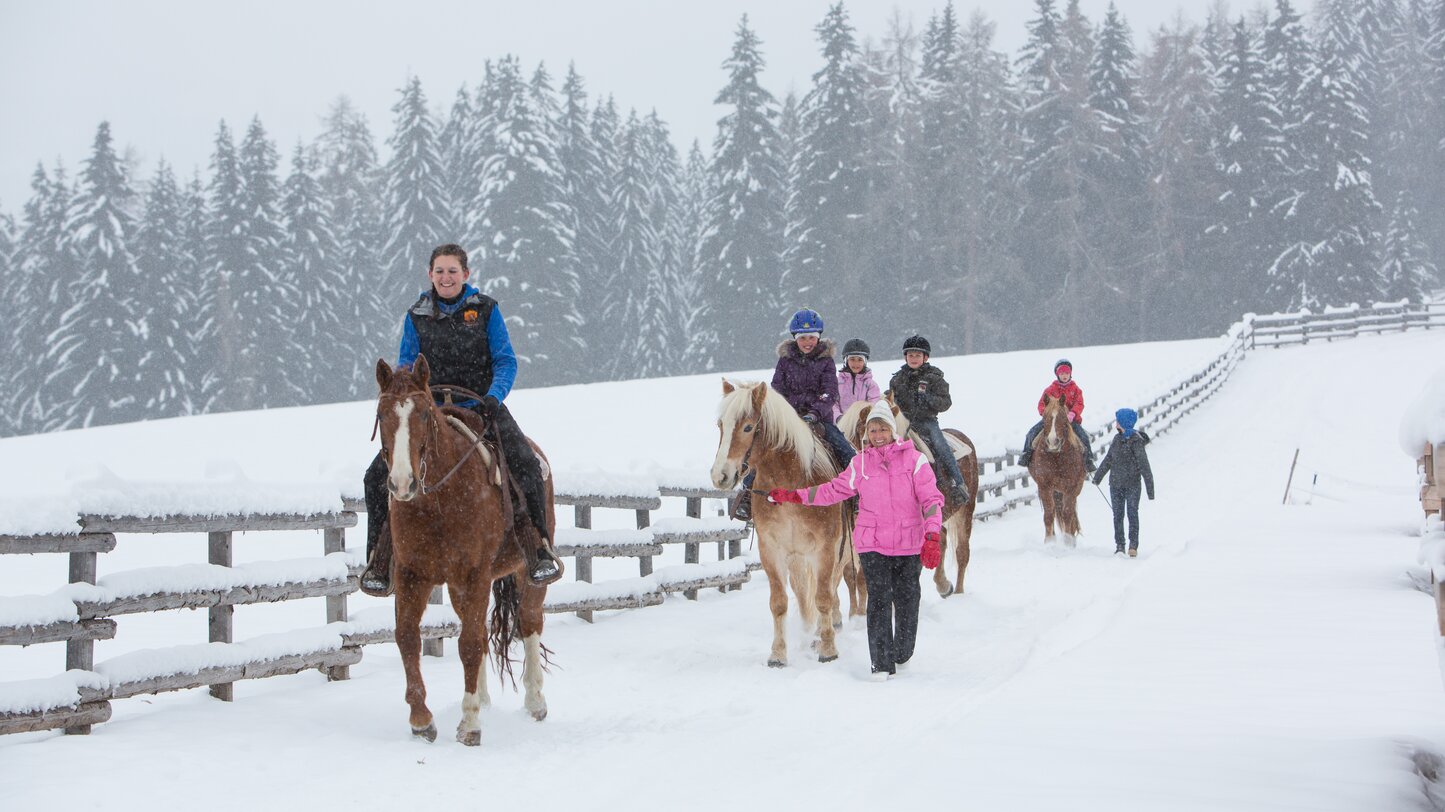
{"x": 88, "y": 607}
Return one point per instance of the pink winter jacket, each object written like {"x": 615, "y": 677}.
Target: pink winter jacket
{"x": 898, "y": 498}
{"x": 853, "y": 388}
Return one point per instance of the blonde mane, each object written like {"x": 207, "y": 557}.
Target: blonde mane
{"x": 782, "y": 429}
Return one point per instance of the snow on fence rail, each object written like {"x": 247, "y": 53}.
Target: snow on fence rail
{"x": 80, "y": 613}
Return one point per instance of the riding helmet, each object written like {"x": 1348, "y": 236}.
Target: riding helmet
{"x": 855, "y": 346}
{"x": 1063, "y": 363}
{"x": 805, "y": 321}
{"x": 917, "y": 343}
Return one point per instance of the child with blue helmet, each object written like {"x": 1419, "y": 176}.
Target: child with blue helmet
{"x": 1127, "y": 464}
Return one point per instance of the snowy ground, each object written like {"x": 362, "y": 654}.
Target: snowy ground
{"x": 1255, "y": 656}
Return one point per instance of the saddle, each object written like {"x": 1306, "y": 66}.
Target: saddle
{"x": 481, "y": 429}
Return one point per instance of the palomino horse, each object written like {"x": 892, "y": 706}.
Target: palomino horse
{"x": 451, "y": 523}
{"x": 1058, "y": 471}
{"x": 798, "y": 544}
{"x": 957, "y": 516}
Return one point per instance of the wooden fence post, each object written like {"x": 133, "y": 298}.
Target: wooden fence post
{"x": 434, "y": 646}
{"x": 582, "y": 517}
{"x": 220, "y": 553}
{"x": 333, "y": 540}
{"x": 80, "y": 654}
{"x": 644, "y": 562}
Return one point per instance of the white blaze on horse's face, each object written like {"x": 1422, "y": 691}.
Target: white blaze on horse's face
{"x": 736, "y": 431}
{"x": 1055, "y": 442}
{"x": 401, "y": 481}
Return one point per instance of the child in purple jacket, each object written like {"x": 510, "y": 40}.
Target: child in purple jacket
{"x": 900, "y": 514}
{"x": 855, "y": 379}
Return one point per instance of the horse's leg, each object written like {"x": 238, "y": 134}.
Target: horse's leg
{"x": 1070, "y": 517}
{"x": 803, "y": 586}
{"x": 840, "y": 573}
{"x": 940, "y": 574}
{"x": 531, "y": 618}
{"x": 1046, "y": 497}
{"x": 962, "y": 533}
{"x": 469, "y": 601}
{"x": 411, "y": 596}
{"x": 777, "y": 602}
{"x": 825, "y": 593}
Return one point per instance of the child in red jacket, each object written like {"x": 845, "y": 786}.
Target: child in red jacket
{"x": 1065, "y": 388}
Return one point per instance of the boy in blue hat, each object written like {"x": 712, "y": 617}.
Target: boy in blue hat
{"x": 1127, "y": 463}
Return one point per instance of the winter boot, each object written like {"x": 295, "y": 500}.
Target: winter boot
{"x": 1133, "y": 552}
{"x": 743, "y": 505}
{"x": 1026, "y": 458}
{"x": 543, "y": 567}
{"x": 1118, "y": 549}
{"x": 376, "y": 580}
{"x": 960, "y": 493}
{"x": 1089, "y": 460}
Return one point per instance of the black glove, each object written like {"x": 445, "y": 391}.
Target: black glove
{"x": 810, "y": 418}
{"x": 1099, "y": 479}
{"x": 490, "y": 405}
{"x": 1151, "y": 496}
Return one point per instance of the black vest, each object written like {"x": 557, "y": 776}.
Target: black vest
{"x": 455, "y": 345}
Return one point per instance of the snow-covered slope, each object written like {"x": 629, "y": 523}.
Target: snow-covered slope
{"x": 1255, "y": 656}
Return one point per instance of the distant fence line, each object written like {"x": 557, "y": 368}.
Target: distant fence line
{"x": 83, "y": 612}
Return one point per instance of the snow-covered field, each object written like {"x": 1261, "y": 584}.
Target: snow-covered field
{"x": 1255, "y": 656}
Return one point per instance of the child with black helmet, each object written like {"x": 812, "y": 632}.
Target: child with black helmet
{"x": 1064, "y": 388}
{"x": 855, "y": 379}
{"x": 806, "y": 377}
{"x": 921, "y": 393}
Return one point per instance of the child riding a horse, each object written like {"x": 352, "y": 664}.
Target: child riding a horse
{"x": 1066, "y": 389}
{"x": 855, "y": 379}
{"x": 900, "y": 514}
{"x": 464, "y": 338}
{"x": 806, "y": 378}
{"x": 921, "y": 392}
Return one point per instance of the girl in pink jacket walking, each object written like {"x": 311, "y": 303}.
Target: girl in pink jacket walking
{"x": 900, "y": 514}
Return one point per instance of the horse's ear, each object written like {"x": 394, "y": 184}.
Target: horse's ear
{"x": 728, "y": 387}
{"x": 888, "y": 396}
{"x": 421, "y": 370}
{"x": 760, "y": 394}
{"x": 383, "y": 374}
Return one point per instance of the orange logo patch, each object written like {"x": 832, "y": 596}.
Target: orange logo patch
{"x": 469, "y": 316}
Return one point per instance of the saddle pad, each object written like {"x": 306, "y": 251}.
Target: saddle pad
{"x": 959, "y": 449}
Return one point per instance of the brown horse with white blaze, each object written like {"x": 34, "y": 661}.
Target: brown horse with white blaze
{"x": 451, "y": 524}
{"x": 957, "y": 516}
{"x": 1058, "y": 470}
{"x": 802, "y": 545}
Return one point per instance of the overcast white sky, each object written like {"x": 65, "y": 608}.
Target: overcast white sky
{"x": 164, "y": 72}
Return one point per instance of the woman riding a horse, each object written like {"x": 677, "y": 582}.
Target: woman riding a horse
{"x": 461, "y": 333}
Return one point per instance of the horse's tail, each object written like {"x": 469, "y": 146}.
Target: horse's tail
{"x": 506, "y": 624}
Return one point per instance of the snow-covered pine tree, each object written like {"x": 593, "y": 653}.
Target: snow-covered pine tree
{"x": 826, "y": 263}
{"x": 1334, "y": 260}
{"x": 1406, "y": 268}
{"x": 92, "y": 347}
{"x": 221, "y": 337}
{"x": 162, "y": 375}
{"x": 525, "y": 248}
{"x": 1245, "y": 229}
{"x": 1178, "y": 287}
{"x": 195, "y": 225}
{"x": 695, "y": 320}
{"x": 11, "y": 286}
{"x": 452, "y": 146}
{"x": 415, "y": 205}
{"x": 331, "y": 343}
{"x": 606, "y": 128}
{"x": 741, "y": 256}
{"x": 661, "y": 334}
{"x": 345, "y": 157}
{"x": 40, "y": 255}
{"x": 635, "y": 240}
{"x": 586, "y": 196}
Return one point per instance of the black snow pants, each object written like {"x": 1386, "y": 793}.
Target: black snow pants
{"x": 1126, "y": 500}
{"x": 893, "y": 595}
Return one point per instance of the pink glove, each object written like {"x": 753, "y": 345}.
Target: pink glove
{"x": 781, "y": 495}
{"x": 932, "y": 552}
{"x": 1073, "y": 418}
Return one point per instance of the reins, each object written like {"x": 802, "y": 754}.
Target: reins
{"x": 446, "y": 392}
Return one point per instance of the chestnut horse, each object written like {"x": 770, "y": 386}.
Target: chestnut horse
{"x": 806, "y": 546}
{"x": 1058, "y": 471}
{"x": 957, "y": 516}
{"x": 450, "y": 523}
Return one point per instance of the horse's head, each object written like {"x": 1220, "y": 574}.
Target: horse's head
{"x": 898, "y": 418}
{"x": 1057, "y": 431}
{"x": 739, "y": 423}
{"x": 406, "y": 415}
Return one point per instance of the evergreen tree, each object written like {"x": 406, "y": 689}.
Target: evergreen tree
{"x": 94, "y": 348}
{"x": 826, "y": 262}
{"x": 661, "y": 327}
{"x": 587, "y": 184}
{"x": 453, "y": 142}
{"x": 606, "y": 134}
{"x": 330, "y": 343}
{"x": 526, "y": 246}
{"x": 221, "y": 338}
{"x": 694, "y": 317}
{"x": 415, "y": 200}
{"x": 11, "y": 286}
{"x": 635, "y": 241}
{"x": 1406, "y": 271}
{"x": 164, "y": 268}
{"x": 741, "y": 249}
{"x": 38, "y": 261}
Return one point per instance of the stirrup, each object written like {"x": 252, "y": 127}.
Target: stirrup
{"x": 374, "y": 584}
{"x": 547, "y": 570}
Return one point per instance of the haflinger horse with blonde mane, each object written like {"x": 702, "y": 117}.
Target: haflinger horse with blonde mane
{"x": 452, "y": 523}
{"x": 957, "y": 516}
{"x": 805, "y": 546}
{"x": 1058, "y": 471}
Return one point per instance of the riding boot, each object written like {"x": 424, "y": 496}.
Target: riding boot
{"x": 960, "y": 493}
{"x": 1026, "y": 458}
{"x": 543, "y": 565}
{"x": 376, "y": 580}
{"x": 743, "y": 505}
{"x": 1089, "y": 459}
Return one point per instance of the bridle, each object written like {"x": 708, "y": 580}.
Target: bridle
{"x": 430, "y": 434}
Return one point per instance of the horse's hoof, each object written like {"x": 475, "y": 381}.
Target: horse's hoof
{"x": 471, "y": 738}
{"x": 776, "y": 663}
{"x": 540, "y": 713}
{"x": 825, "y": 658}
{"x": 944, "y": 591}
{"x": 429, "y": 732}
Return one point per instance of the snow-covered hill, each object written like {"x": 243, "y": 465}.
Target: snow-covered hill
{"x": 1255, "y": 656}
